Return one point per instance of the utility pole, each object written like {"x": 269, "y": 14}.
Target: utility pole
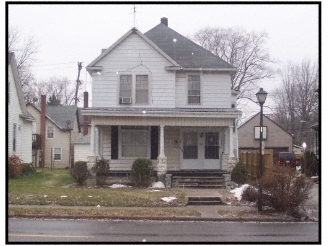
{"x": 78, "y": 82}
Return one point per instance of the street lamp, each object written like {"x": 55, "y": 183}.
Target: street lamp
{"x": 261, "y": 97}
{"x": 304, "y": 160}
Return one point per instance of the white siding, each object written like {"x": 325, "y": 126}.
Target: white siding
{"x": 81, "y": 152}
{"x": 215, "y": 90}
{"x": 135, "y": 56}
{"x": 24, "y": 128}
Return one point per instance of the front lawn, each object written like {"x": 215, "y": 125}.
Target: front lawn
{"x": 46, "y": 188}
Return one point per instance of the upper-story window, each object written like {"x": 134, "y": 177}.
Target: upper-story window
{"x": 194, "y": 89}
{"x": 50, "y": 132}
{"x": 134, "y": 89}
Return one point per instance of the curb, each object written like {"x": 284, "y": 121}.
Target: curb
{"x": 95, "y": 217}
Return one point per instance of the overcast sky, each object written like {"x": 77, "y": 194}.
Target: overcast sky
{"x": 68, "y": 34}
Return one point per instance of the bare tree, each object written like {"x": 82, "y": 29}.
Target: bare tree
{"x": 25, "y": 50}
{"x": 60, "y": 88}
{"x": 244, "y": 50}
{"x": 297, "y": 101}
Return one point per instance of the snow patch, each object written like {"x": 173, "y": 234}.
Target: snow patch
{"x": 238, "y": 192}
{"x": 168, "y": 198}
{"x": 116, "y": 186}
{"x": 158, "y": 185}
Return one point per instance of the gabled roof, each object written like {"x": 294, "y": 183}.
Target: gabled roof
{"x": 266, "y": 118}
{"x": 184, "y": 51}
{"x": 134, "y": 30}
{"x": 12, "y": 63}
{"x": 59, "y": 115}
{"x": 180, "y": 51}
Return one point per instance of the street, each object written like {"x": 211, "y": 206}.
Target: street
{"x": 50, "y": 230}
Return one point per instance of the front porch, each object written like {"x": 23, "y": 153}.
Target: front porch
{"x": 178, "y": 141}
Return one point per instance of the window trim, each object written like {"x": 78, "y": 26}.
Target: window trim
{"x": 14, "y": 137}
{"x": 61, "y": 153}
{"x": 133, "y": 88}
{"x": 47, "y": 136}
{"x": 121, "y": 130}
{"x": 200, "y": 89}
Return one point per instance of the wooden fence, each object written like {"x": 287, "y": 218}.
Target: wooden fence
{"x": 251, "y": 159}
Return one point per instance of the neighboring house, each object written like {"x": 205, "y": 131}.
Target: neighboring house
{"x": 20, "y": 122}
{"x": 274, "y": 137}
{"x": 61, "y": 129}
{"x": 160, "y": 96}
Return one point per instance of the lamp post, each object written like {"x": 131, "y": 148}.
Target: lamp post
{"x": 261, "y": 97}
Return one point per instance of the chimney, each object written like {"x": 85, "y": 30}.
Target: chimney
{"x": 43, "y": 128}
{"x": 164, "y": 21}
{"x": 85, "y": 118}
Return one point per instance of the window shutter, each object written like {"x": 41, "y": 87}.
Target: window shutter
{"x": 154, "y": 142}
{"x": 114, "y": 142}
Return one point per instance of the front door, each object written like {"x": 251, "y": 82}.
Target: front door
{"x": 200, "y": 150}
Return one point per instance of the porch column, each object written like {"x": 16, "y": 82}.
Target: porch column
{"x": 231, "y": 154}
{"x": 92, "y": 140}
{"x": 162, "y": 159}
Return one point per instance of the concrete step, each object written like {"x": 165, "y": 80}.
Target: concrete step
{"x": 204, "y": 201}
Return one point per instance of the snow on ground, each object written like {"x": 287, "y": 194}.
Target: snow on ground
{"x": 168, "y": 198}
{"x": 238, "y": 192}
{"x": 115, "y": 186}
{"x": 158, "y": 185}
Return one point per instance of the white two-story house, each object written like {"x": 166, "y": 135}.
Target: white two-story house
{"x": 161, "y": 96}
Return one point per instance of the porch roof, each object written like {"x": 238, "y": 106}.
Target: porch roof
{"x": 166, "y": 116}
{"x": 167, "y": 112}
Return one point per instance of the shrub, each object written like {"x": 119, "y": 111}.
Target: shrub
{"x": 285, "y": 190}
{"x": 239, "y": 174}
{"x": 101, "y": 169}
{"x": 312, "y": 164}
{"x": 28, "y": 170}
{"x": 14, "y": 167}
{"x": 80, "y": 172}
{"x": 141, "y": 172}
{"x": 250, "y": 194}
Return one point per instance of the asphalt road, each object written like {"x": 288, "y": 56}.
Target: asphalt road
{"x": 37, "y": 230}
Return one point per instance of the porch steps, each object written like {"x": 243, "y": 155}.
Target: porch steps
{"x": 200, "y": 182}
{"x": 206, "y": 200}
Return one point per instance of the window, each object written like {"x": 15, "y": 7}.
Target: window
{"x": 125, "y": 86}
{"x": 135, "y": 142}
{"x": 193, "y": 89}
{"x": 142, "y": 89}
{"x": 257, "y": 133}
{"x": 190, "y": 145}
{"x": 57, "y": 153}
{"x": 211, "y": 145}
{"x": 14, "y": 136}
{"x": 50, "y": 131}
{"x": 134, "y": 89}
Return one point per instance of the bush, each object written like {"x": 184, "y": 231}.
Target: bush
{"x": 142, "y": 172}
{"x": 250, "y": 194}
{"x": 312, "y": 164}
{"x": 239, "y": 174}
{"x": 14, "y": 167}
{"x": 101, "y": 169}
{"x": 28, "y": 170}
{"x": 285, "y": 190}
{"x": 80, "y": 172}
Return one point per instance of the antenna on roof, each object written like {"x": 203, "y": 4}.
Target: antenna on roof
{"x": 134, "y": 15}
